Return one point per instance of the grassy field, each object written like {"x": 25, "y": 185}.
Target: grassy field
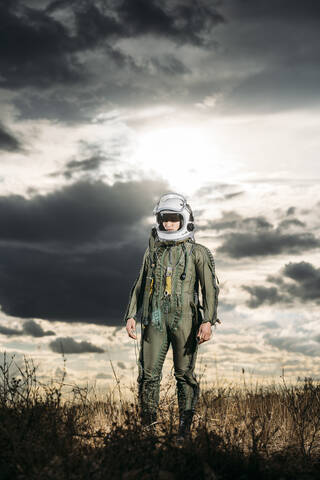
{"x": 265, "y": 432}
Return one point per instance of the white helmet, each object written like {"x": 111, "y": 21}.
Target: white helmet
{"x": 174, "y": 203}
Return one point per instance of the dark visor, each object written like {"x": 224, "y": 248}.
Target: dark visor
{"x": 170, "y": 217}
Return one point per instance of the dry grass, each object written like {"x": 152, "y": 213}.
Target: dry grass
{"x": 238, "y": 433}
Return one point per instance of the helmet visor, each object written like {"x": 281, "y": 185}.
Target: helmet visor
{"x": 170, "y": 217}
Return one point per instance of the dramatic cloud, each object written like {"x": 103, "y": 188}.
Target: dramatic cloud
{"x": 10, "y": 331}
{"x": 306, "y": 281}
{"x": 260, "y": 294}
{"x": 265, "y": 244}
{"x": 87, "y": 165}
{"x": 294, "y": 344}
{"x": 291, "y": 222}
{"x": 179, "y": 21}
{"x": 283, "y": 64}
{"x": 35, "y": 330}
{"x": 40, "y": 48}
{"x": 303, "y": 287}
{"x": 30, "y": 327}
{"x": 82, "y": 212}
{"x": 72, "y": 255}
{"x": 256, "y": 236}
{"x": 68, "y": 59}
{"x": 7, "y": 141}
{"x": 291, "y": 211}
{"x": 233, "y": 221}
{"x": 35, "y": 49}
{"x": 69, "y": 345}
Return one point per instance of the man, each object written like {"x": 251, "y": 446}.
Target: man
{"x": 166, "y": 290}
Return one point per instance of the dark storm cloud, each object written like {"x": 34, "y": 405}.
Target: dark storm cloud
{"x": 184, "y": 22}
{"x": 239, "y": 245}
{"x": 29, "y": 328}
{"x": 257, "y": 59}
{"x": 35, "y": 49}
{"x": 88, "y": 164}
{"x": 169, "y": 64}
{"x": 274, "y": 90}
{"x": 306, "y": 280}
{"x": 38, "y": 49}
{"x": 291, "y": 222}
{"x": 72, "y": 255}
{"x": 291, "y": 211}
{"x": 81, "y": 212}
{"x": 281, "y": 9}
{"x": 69, "y": 345}
{"x": 91, "y": 158}
{"x": 281, "y": 39}
{"x": 50, "y": 105}
{"x": 32, "y": 328}
{"x": 219, "y": 225}
{"x": 294, "y": 345}
{"x": 262, "y": 295}
{"x": 66, "y": 60}
{"x": 297, "y": 282}
{"x": 231, "y": 220}
{"x": 10, "y": 332}
{"x": 8, "y": 142}
{"x": 256, "y": 236}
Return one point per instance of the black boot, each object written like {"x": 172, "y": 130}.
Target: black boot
{"x": 184, "y": 426}
{"x": 148, "y": 421}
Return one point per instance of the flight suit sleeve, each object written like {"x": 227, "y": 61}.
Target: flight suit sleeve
{"x": 205, "y": 268}
{"x": 136, "y": 293}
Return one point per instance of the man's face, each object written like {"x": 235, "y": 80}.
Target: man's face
{"x": 171, "y": 221}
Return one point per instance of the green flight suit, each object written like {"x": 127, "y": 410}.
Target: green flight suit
{"x": 172, "y": 319}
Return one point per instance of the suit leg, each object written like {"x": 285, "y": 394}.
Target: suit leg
{"x": 185, "y": 346}
{"x": 154, "y": 347}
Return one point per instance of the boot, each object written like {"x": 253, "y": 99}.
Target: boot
{"x": 148, "y": 421}
{"x": 184, "y": 426}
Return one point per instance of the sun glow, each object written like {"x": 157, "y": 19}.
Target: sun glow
{"x": 185, "y": 156}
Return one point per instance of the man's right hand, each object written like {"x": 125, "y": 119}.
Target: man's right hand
{"x": 131, "y": 328}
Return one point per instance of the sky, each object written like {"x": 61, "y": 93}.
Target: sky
{"x": 107, "y": 104}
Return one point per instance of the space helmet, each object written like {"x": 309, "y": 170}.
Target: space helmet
{"x": 174, "y": 203}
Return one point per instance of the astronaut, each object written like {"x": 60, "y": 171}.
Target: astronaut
{"x": 166, "y": 294}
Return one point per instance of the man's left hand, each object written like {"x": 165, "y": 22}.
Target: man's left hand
{"x": 204, "y": 332}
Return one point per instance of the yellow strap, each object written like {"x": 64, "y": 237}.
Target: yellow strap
{"x": 168, "y": 285}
